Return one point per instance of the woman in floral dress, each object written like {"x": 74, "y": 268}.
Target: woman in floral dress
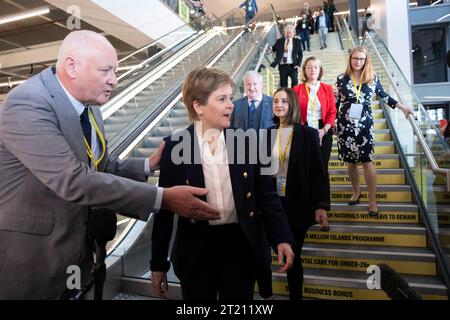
{"x": 355, "y": 130}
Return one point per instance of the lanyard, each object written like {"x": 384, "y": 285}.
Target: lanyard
{"x": 286, "y": 44}
{"x": 357, "y": 90}
{"x": 89, "y": 151}
{"x": 313, "y": 106}
{"x": 283, "y": 156}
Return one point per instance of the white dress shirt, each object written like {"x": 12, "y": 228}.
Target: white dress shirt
{"x": 289, "y": 52}
{"x": 313, "y": 89}
{"x": 217, "y": 175}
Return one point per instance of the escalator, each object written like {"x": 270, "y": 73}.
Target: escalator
{"x": 140, "y": 88}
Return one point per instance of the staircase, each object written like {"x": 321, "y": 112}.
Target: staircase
{"x": 335, "y": 262}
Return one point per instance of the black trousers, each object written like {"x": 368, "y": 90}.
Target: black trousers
{"x": 225, "y": 270}
{"x": 295, "y": 274}
{"x": 288, "y": 70}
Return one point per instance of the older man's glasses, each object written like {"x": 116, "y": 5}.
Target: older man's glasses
{"x": 358, "y": 59}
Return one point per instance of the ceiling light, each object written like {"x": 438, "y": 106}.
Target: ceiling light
{"x": 24, "y": 15}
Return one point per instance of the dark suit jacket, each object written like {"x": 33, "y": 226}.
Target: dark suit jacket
{"x": 327, "y": 21}
{"x": 264, "y": 114}
{"x": 307, "y": 188}
{"x": 297, "y": 52}
{"x": 258, "y": 214}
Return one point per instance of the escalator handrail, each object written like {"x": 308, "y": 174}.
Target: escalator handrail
{"x": 167, "y": 48}
{"x": 170, "y": 32}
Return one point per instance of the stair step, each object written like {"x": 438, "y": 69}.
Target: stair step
{"x": 384, "y": 176}
{"x": 388, "y": 212}
{"x": 418, "y": 261}
{"x": 381, "y": 161}
{"x": 340, "y": 284}
{"x": 385, "y": 193}
{"x": 412, "y": 235}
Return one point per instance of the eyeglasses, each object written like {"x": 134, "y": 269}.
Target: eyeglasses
{"x": 358, "y": 59}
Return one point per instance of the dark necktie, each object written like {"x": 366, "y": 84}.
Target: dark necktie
{"x": 86, "y": 125}
{"x": 251, "y": 115}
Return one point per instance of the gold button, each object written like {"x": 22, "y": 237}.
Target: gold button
{"x": 251, "y": 214}
{"x": 193, "y": 221}
{"x": 249, "y": 195}
{"x": 187, "y": 182}
{"x": 245, "y": 174}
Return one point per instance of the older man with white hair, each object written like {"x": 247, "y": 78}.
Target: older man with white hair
{"x": 255, "y": 110}
{"x": 56, "y": 170}
{"x": 289, "y": 55}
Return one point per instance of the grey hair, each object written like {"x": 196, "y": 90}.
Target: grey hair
{"x": 289, "y": 27}
{"x": 253, "y": 73}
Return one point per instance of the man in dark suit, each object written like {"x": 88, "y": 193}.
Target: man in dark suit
{"x": 54, "y": 167}
{"x": 256, "y": 109}
{"x": 289, "y": 55}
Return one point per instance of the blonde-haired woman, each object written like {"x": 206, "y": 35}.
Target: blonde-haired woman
{"x": 317, "y": 104}
{"x": 355, "y": 129}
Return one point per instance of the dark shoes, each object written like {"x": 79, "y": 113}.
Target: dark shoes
{"x": 373, "y": 213}
{"x": 353, "y": 202}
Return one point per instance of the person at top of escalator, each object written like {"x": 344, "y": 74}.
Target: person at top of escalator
{"x": 251, "y": 9}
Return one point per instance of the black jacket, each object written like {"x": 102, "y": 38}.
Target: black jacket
{"x": 258, "y": 207}
{"x": 307, "y": 187}
{"x": 297, "y": 52}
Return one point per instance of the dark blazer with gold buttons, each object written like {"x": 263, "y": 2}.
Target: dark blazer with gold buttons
{"x": 258, "y": 207}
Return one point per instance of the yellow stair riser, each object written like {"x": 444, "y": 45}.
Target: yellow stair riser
{"x": 383, "y": 217}
{"x": 389, "y": 196}
{"x": 381, "y": 179}
{"x": 355, "y": 264}
{"x": 361, "y": 264}
{"x": 361, "y": 238}
{"x": 379, "y": 164}
{"x": 340, "y": 293}
{"x": 378, "y": 150}
{"x": 380, "y": 125}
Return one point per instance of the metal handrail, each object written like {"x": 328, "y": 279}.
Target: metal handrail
{"x": 420, "y": 105}
{"x": 440, "y": 256}
{"x": 348, "y": 32}
{"x": 424, "y": 145}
